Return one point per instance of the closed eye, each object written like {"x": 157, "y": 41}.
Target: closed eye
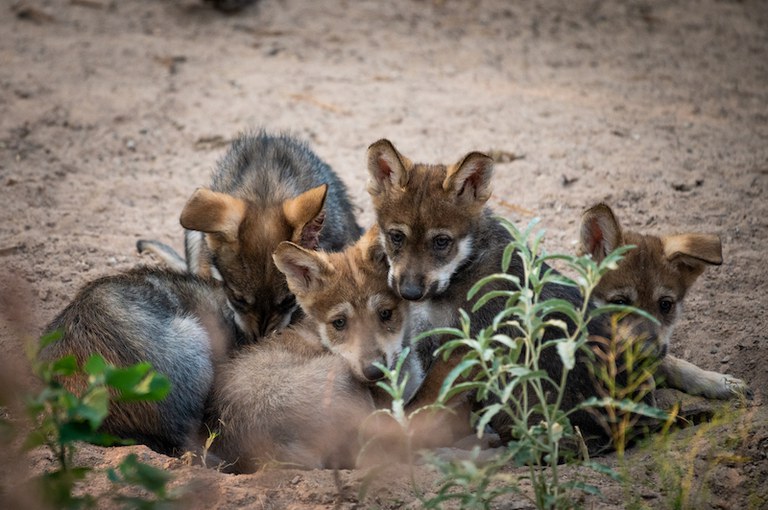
{"x": 620, "y": 300}
{"x": 287, "y": 304}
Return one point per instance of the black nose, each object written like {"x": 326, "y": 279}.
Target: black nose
{"x": 373, "y": 373}
{"x": 411, "y": 291}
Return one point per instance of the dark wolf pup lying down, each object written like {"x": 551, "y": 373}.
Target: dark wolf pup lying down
{"x": 440, "y": 239}
{"x": 655, "y": 276}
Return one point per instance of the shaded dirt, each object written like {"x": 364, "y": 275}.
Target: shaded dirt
{"x": 112, "y": 112}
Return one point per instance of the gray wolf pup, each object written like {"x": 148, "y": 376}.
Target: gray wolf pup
{"x": 180, "y": 323}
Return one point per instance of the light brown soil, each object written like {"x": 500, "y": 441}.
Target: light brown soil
{"x": 112, "y": 112}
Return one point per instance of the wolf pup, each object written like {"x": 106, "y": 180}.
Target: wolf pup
{"x": 265, "y": 190}
{"x": 300, "y": 395}
{"x": 440, "y": 239}
{"x": 655, "y": 276}
{"x": 180, "y": 323}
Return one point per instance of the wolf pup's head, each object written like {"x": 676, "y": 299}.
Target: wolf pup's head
{"x": 359, "y": 317}
{"x": 426, "y": 214}
{"x": 242, "y": 238}
{"x": 655, "y": 275}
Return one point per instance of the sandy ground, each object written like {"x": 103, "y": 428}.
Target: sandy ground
{"x": 113, "y": 112}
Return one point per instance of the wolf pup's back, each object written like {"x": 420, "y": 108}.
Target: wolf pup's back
{"x": 265, "y": 190}
{"x": 179, "y": 323}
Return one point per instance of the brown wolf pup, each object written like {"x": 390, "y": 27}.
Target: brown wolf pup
{"x": 655, "y": 277}
{"x": 300, "y": 396}
{"x": 265, "y": 190}
{"x": 180, "y": 323}
{"x": 440, "y": 239}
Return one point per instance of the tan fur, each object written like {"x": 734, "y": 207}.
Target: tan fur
{"x": 301, "y": 396}
{"x": 449, "y": 200}
{"x": 655, "y": 277}
{"x": 347, "y": 287}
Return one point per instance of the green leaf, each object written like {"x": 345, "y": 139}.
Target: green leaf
{"x": 509, "y": 278}
{"x": 93, "y": 408}
{"x": 144, "y": 475}
{"x": 126, "y": 379}
{"x": 95, "y": 365}
{"x": 626, "y": 405}
{"x": 64, "y": 366}
{"x": 621, "y": 309}
{"x": 50, "y": 337}
{"x": 458, "y": 370}
{"x": 487, "y": 415}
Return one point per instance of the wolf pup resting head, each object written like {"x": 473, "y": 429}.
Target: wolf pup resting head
{"x": 300, "y": 396}
{"x": 265, "y": 190}
{"x": 357, "y": 315}
{"x": 655, "y": 276}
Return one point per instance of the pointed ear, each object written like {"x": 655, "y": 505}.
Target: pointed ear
{"x": 387, "y": 167}
{"x": 303, "y": 269}
{"x": 691, "y": 253}
{"x": 372, "y": 249}
{"x": 213, "y": 213}
{"x": 305, "y": 215}
{"x": 600, "y": 232}
{"x": 470, "y": 178}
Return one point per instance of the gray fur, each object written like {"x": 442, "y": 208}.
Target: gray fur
{"x": 178, "y": 322}
{"x": 269, "y": 169}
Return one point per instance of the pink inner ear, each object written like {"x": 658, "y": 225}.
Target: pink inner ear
{"x": 385, "y": 171}
{"x": 595, "y": 237}
{"x": 310, "y": 233}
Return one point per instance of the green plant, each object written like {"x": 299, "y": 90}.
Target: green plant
{"x": 502, "y": 367}
{"x": 62, "y": 419}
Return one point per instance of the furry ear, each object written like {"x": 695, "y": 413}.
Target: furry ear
{"x": 306, "y": 215}
{"x": 470, "y": 178}
{"x": 692, "y": 252}
{"x": 600, "y": 232}
{"x": 386, "y": 167}
{"x": 213, "y": 213}
{"x": 371, "y": 247}
{"x": 303, "y": 269}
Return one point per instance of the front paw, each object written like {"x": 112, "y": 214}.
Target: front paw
{"x": 733, "y": 387}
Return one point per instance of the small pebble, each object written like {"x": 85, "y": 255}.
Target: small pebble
{"x": 725, "y": 359}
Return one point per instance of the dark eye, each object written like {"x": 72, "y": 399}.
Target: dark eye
{"x": 385, "y": 315}
{"x": 287, "y": 304}
{"x": 620, "y": 300}
{"x": 396, "y": 237}
{"x": 441, "y": 242}
{"x": 666, "y": 305}
{"x": 238, "y": 302}
{"x": 339, "y": 323}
